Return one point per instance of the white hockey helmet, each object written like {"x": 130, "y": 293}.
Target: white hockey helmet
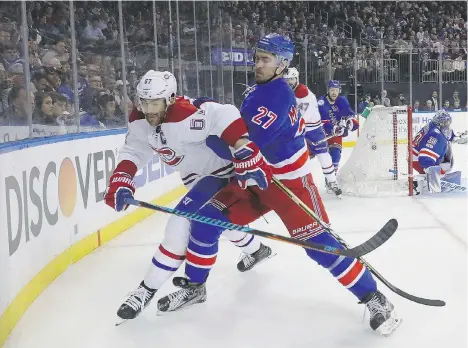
{"x": 156, "y": 85}
{"x": 292, "y": 73}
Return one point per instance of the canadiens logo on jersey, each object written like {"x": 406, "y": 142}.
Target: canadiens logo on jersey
{"x": 169, "y": 156}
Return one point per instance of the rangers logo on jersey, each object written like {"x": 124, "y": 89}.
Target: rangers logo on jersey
{"x": 169, "y": 156}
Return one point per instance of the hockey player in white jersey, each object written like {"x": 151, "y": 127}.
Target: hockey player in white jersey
{"x": 177, "y": 130}
{"x": 307, "y": 104}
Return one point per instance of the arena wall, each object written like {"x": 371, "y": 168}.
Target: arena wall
{"x": 53, "y": 213}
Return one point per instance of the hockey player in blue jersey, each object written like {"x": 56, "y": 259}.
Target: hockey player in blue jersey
{"x": 432, "y": 153}
{"x": 337, "y": 118}
{"x": 275, "y": 145}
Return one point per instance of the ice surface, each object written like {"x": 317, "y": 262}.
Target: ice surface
{"x": 287, "y": 302}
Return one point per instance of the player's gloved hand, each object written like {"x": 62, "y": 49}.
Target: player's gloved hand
{"x": 250, "y": 167}
{"x": 121, "y": 187}
{"x": 351, "y": 124}
{"x": 339, "y": 129}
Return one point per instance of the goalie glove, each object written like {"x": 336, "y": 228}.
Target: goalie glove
{"x": 461, "y": 138}
{"x": 250, "y": 167}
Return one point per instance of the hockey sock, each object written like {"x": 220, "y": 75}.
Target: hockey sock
{"x": 335, "y": 154}
{"x": 328, "y": 168}
{"x": 163, "y": 266}
{"x": 248, "y": 243}
{"x": 351, "y": 273}
{"x": 203, "y": 245}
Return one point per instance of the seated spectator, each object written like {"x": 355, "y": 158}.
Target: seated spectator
{"x": 4, "y": 36}
{"x": 16, "y": 114}
{"x": 58, "y": 50}
{"x": 428, "y": 106}
{"x": 416, "y": 106}
{"x": 446, "y": 106}
{"x": 59, "y": 111}
{"x": 92, "y": 31}
{"x": 16, "y": 73}
{"x": 9, "y": 55}
{"x": 44, "y": 110}
{"x": 40, "y": 83}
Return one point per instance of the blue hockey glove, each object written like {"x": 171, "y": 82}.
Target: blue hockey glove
{"x": 250, "y": 167}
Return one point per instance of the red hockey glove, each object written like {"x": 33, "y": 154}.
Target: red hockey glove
{"x": 250, "y": 167}
{"x": 121, "y": 186}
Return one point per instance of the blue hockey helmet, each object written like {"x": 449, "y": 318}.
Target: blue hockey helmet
{"x": 278, "y": 45}
{"x": 333, "y": 84}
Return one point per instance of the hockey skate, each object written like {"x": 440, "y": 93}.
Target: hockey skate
{"x": 383, "y": 318}
{"x": 189, "y": 294}
{"x": 135, "y": 302}
{"x": 332, "y": 187}
{"x": 249, "y": 261}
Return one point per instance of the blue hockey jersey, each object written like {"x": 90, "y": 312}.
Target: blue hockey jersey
{"x": 430, "y": 146}
{"x": 333, "y": 113}
{"x": 277, "y": 128}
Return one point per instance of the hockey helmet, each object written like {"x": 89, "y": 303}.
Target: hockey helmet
{"x": 291, "y": 73}
{"x": 280, "y": 46}
{"x": 156, "y": 85}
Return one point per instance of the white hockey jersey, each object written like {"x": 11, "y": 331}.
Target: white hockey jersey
{"x": 307, "y": 104}
{"x": 180, "y": 140}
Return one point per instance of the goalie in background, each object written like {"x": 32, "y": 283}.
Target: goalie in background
{"x": 432, "y": 153}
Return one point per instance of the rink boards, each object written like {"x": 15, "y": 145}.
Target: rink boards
{"x": 52, "y": 209}
{"x": 53, "y": 212}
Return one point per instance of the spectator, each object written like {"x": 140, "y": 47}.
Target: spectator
{"x": 9, "y": 55}
{"x": 16, "y": 114}
{"x": 416, "y": 106}
{"x": 92, "y": 31}
{"x": 429, "y": 106}
{"x": 4, "y": 37}
{"x": 435, "y": 101}
{"x": 16, "y": 74}
{"x": 385, "y": 101}
{"x": 58, "y": 51}
{"x": 446, "y": 106}
{"x": 40, "y": 83}
{"x": 44, "y": 110}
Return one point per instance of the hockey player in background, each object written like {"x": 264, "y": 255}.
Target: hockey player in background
{"x": 432, "y": 153}
{"x": 337, "y": 118}
{"x": 307, "y": 105}
{"x": 275, "y": 146}
{"x": 178, "y": 132}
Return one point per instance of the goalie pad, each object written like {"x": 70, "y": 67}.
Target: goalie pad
{"x": 433, "y": 179}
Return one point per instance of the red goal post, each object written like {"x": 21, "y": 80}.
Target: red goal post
{"x": 381, "y": 162}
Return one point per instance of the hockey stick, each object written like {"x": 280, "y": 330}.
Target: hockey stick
{"x": 321, "y": 141}
{"x": 310, "y": 212}
{"x": 368, "y": 246}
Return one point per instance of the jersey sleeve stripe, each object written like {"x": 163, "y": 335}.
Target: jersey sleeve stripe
{"x": 234, "y": 132}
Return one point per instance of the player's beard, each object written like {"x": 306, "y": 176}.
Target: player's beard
{"x": 155, "y": 119}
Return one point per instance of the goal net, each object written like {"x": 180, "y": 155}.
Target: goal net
{"x": 381, "y": 160}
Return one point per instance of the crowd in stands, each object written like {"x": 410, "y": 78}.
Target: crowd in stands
{"x": 426, "y": 25}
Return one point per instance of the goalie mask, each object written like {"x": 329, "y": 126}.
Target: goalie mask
{"x": 156, "y": 92}
{"x": 442, "y": 120}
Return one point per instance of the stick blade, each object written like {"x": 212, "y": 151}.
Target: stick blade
{"x": 377, "y": 240}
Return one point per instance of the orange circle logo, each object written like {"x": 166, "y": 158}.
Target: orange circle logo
{"x": 67, "y": 189}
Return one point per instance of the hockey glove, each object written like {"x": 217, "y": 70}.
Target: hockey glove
{"x": 340, "y": 129}
{"x": 352, "y": 124}
{"x": 121, "y": 187}
{"x": 250, "y": 167}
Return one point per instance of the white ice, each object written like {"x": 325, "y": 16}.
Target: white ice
{"x": 287, "y": 302}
